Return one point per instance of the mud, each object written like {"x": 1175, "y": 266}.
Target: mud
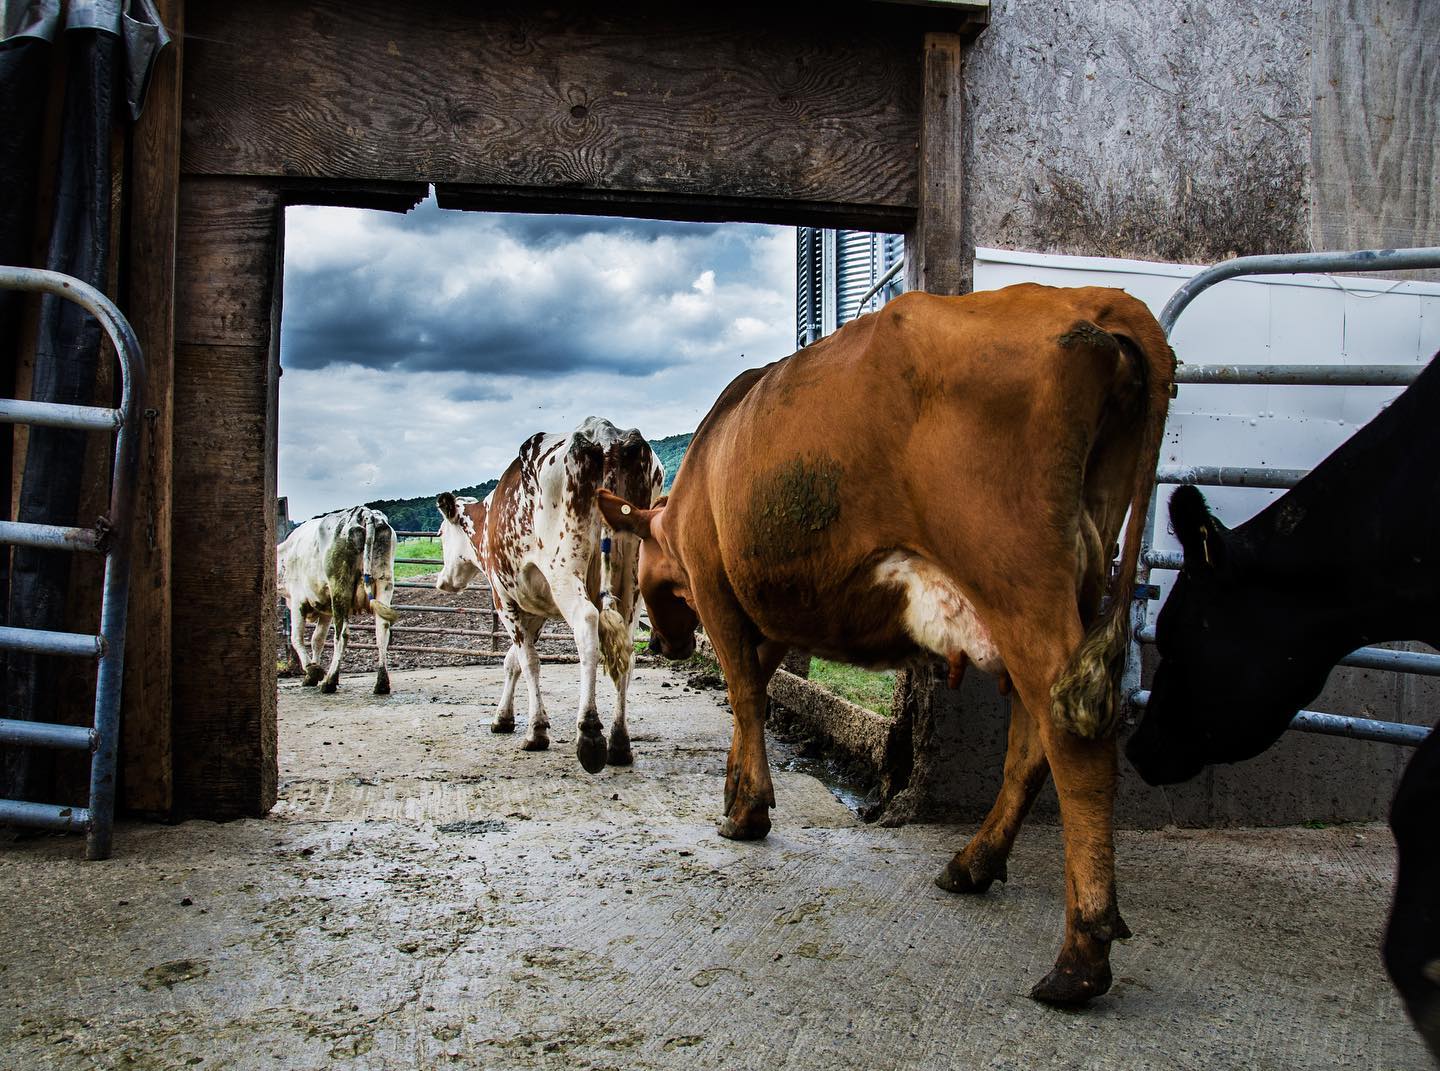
{"x": 425, "y": 895}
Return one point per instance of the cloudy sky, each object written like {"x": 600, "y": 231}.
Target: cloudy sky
{"x": 420, "y": 350}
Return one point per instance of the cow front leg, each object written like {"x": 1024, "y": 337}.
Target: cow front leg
{"x": 313, "y": 672}
{"x": 341, "y": 610}
{"x": 537, "y": 736}
{"x": 584, "y": 621}
{"x": 505, "y": 712}
{"x": 295, "y": 648}
{"x": 983, "y": 859}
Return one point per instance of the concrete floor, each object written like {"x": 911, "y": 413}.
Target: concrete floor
{"x": 426, "y": 896}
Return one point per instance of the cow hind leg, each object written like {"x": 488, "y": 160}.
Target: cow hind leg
{"x": 313, "y": 672}
{"x": 382, "y": 645}
{"x": 618, "y": 753}
{"x": 584, "y": 621}
{"x": 982, "y": 861}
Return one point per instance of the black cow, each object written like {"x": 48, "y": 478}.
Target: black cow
{"x": 1260, "y": 614}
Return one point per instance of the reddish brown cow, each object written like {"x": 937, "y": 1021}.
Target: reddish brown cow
{"x": 945, "y": 477}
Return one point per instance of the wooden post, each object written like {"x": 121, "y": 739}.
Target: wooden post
{"x": 935, "y": 259}
{"x": 227, "y": 273}
{"x": 150, "y": 304}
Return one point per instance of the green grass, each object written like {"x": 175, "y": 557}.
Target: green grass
{"x": 417, "y": 548}
{"x": 863, "y": 687}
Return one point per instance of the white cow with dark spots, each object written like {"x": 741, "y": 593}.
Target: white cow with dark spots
{"x": 330, "y": 567}
{"x": 540, "y": 540}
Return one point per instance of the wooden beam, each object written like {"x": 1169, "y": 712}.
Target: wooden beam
{"x": 935, "y": 253}
{"x": 145, "y": 758}
{"x": 226, "y": 398}
{"x": 700, "y": 100}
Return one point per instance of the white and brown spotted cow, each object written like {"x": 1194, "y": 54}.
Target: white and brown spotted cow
{"x": 333, "y": 566}
{"x": 539, "y": 539}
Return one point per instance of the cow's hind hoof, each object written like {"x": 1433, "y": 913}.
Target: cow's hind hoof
{"x": 312, "y": 676}
{"x": 536, "y": 742}
{"x": 382, "y": 683}
{"x": 590, "y": 748}
{"x": 619, "y": 753}
{"x": 957, "y": 878}
{"x": 327, "y": 686}
{"x": 750, "y": 828}
{"x": 1071, "y": 987}
{"x": 506, "y": 725}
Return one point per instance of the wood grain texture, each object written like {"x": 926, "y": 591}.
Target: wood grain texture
{"x": 145, "y": 754}
{"x": 936, "y": 259}
{"x": 734, "y": 101}
{"x": 225, "y": 403}
{"x": 1375, "y": 137}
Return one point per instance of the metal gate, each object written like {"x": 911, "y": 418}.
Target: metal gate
{"x": 1311, "y": 721}
{"x": 110, "y": 537}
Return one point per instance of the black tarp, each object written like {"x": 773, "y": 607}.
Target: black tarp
{"x": 108, "y": 54}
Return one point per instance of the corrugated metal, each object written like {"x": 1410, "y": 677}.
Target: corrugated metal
{"x": 835, "y": 269}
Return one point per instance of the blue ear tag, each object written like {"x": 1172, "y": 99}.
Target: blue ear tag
{"x": 604, "y": 544}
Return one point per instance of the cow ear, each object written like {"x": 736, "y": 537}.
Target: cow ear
{"x": 621, "y": 516}
{"x": 1201, "y": 535}
{"x": 449, "y": 509}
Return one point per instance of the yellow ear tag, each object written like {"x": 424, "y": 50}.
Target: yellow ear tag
{"x": 625, "y": 509}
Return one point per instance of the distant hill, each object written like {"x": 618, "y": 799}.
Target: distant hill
{"x": 421, "y": 515}
{"x": 671, "y": 451}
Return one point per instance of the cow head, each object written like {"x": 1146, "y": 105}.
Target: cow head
{"x": 663, "y": 583}
{"x": 457, "y": 544}
{"x": 1240, "y": 653}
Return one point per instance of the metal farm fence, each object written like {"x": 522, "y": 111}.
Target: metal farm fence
{"x": 488, "y": 640}
{"x": 1311, "y": 721}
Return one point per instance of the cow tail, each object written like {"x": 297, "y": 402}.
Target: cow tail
{"x": 1086, "y": 699}
{"x": 616, "y": 650}
{"x": 379, "y": 547}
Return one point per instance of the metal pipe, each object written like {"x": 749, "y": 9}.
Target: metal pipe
{"x": 1229, "y": 476}
{"x": 1315, "y": 721}
{"x": 46, "y": 816}
{"x": 59, "y": 415}
{"x": 890, "y": 273}
{"x": 1295, "y": 263}
{"x": 1417, "y": 662}
{"x": 46, "y": 734}
{"x": 1302, "y": 375}
{"x": 419, "y": 561}
{"x": 48, "y": 536}
{"x": 39, "y": 641}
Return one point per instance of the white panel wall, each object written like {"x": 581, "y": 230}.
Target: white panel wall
{"x": 1306, "y": 319}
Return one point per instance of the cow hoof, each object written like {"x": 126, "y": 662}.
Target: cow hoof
{"x": 506, "y": 725}
{"x": 328, "y": 685}
{"x": 619, "y": 753}
{"x": 957, "y": 878}
{"x": 535, "y": 742}
{"x": 1070, "y": 987}
{"x": 750, "y": 828}
{"x": 382, "y": 683}
{"x": 312, "y": 676}
{"x": 590, "y": 749}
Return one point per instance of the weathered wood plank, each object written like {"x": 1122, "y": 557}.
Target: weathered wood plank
{"x": 154, "y": 193}
{"x": 936, "y": 258}
{"x": 224, "y": 440}
{"x": 1375, "y": 136}
{"x": 708, "y": 101}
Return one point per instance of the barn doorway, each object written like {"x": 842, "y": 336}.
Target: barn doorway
{"x": 419, "y": 350}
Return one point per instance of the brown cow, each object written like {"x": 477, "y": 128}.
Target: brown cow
{"x": 947, "y": 477}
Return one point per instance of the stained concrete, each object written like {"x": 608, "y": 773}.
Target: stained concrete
{"x": 427, "y": 896}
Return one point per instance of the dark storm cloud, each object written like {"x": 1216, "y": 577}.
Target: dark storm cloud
{"x": 502, "y": 294}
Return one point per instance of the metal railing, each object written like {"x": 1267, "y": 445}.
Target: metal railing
{"x": 1367, "y": 260}
{"x": 111, "y": 537}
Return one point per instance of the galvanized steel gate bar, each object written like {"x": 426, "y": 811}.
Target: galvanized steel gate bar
{"x": 110, "y": 536}
{"x": 1365, "y": 260}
